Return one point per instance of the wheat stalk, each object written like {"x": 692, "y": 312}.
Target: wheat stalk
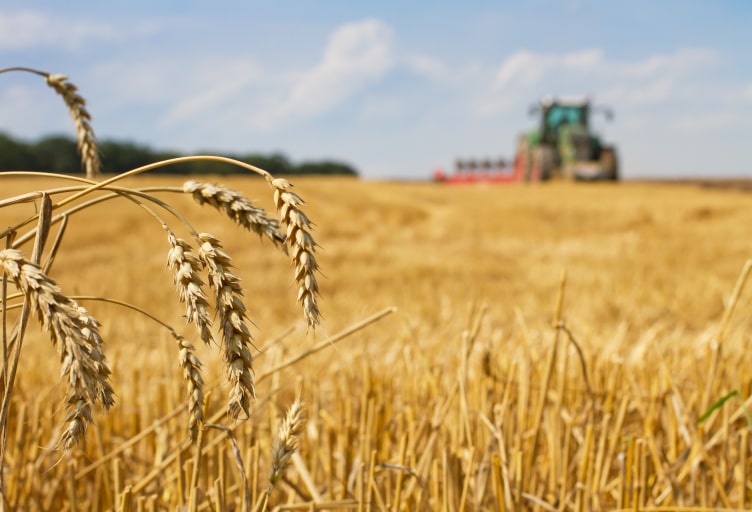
{"x": 74, "y": 333}
{"x": 87, "y": 142}
{"x": 231, "y": 312}
{"x": 286, "y": 442}
{"x": 237, "y": 207}
{"x": 186, "y": 266}
{"x": 301, "y": 244}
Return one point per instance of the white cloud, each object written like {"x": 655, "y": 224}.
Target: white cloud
{"x": 651, "y": 80}
{"x": 221, "y": 90}
{"x": 525, "y": 74}
{"x": 239, "y": 91}
{"x": 426, "y": 66}
{"x": 681, "y": 62}
{"x": 657, "y": 78}
{"x": 31, "y": 29}
{"x": 182, "y": 82}
{"x": 526, "y": 68}
{"x": 523, "y": 67}
{"x": 225, "y": 80}
{"x": 356, "y": 55}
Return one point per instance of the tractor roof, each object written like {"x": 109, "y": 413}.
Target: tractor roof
{"x": 570, "y": 101}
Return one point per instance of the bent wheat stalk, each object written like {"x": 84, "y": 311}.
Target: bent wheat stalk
{"x": 74, "y": 333}
{"x": 298, "y": 237}
{"x": 187, "y": 268}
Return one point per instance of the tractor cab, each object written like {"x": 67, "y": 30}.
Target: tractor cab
{"x": 564, "y": 145}
{"x": 558, "y": 114}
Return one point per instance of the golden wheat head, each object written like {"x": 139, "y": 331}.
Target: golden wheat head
{"x": 74, "y": 333}
{"x": 231, "y": 313}
{"x": 237, "y": 207}
{"x": 301, "y": 244}
{"x": 186, "y": 266}
{"x": 87, "y": 142}
{"x": 286, "y": 442}
{"x": 191, "y": 367}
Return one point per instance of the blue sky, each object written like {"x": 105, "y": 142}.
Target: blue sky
{"x": 396, "y": 88}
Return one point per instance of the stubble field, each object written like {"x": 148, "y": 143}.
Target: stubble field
{"x": 550, "y": 347}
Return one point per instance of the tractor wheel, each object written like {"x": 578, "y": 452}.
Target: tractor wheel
{"x": 610, "y": 163}
{"x": 543, "y": 163}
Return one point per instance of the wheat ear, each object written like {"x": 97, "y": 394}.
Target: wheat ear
{"x": 286, "y": 442}
{"x": 74, "y": 333}
{"x": 301, "y": 244}
{"x": 192, "y": 376}
{"x": 185, "y": 266}
{"x": 237, "y": 207}
{"x": 231, "y": 312}
{"x": 87, "y": 142}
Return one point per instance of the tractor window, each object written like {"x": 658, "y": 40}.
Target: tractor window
{"x": 563, "y": 115}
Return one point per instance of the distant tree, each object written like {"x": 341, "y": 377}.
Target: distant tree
{"x": 59, "y": 154}
{"x": 276, "y": 163}
{"x": 326, "y": 167}
{"x": 56, "y": 153}
{"x": 15, "y": 155}
{"x": 118, "y": 157}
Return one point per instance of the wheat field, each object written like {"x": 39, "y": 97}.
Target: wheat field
{"x": 543, "y": 347}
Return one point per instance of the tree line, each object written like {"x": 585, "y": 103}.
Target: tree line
{"x": 58, "y": 154}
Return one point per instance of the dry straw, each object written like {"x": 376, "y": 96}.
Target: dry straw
{"x": 74, "y": 333}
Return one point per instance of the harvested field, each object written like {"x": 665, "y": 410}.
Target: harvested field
{"x": 552, "y": 347}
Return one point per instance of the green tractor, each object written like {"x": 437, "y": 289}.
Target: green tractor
{"x": 564, "y": 146}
